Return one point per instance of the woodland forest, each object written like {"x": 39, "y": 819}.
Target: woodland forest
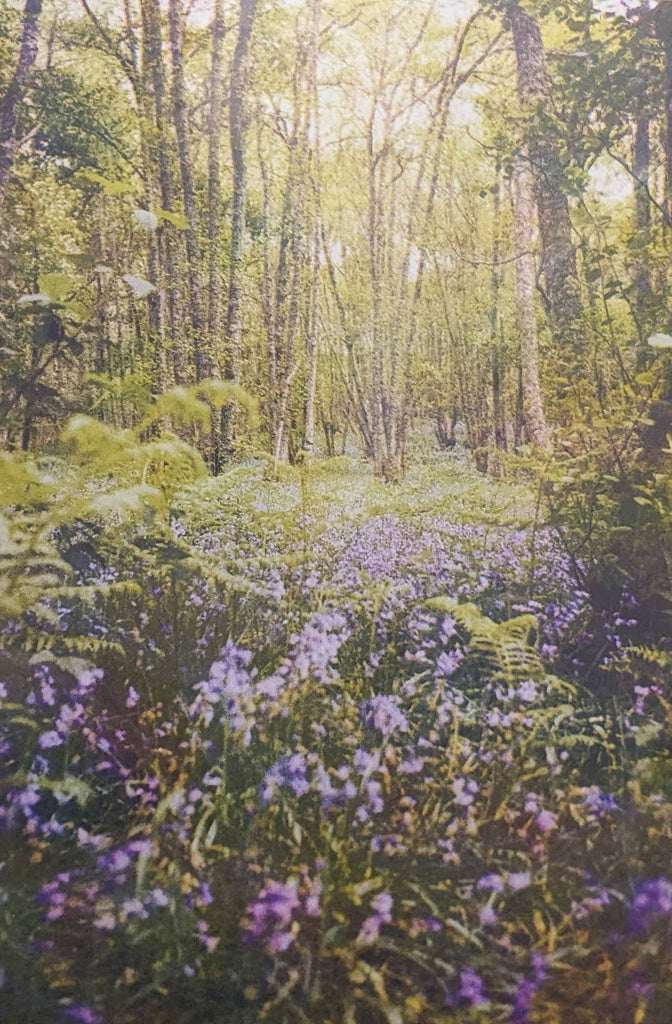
{"x": 336, "y": 511}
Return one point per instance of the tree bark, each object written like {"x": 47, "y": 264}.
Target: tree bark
{"x": 641, "y": 167}
{"x": 311, "y": 345}
{"x": 664, "y": 33}
{"x": 291, "y": 265}
{"x": 203, "y": 363}
{"x": 523, "y": 215}
{"x": 498, "y": 406}
{"x": 13, "y": 98}
{"x": 214, "y": 186}
{"x": 237, "y": 132}
{"x": 154, "y": 76}
{"x": 558, "y": 263}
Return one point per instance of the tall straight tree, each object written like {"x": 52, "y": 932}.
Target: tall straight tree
{"x": 283, "y": 326}
{"x": 237, "y": 132}
{"x": 313, "y": 313}
{"x": 558, "y": 264}
{"x": 200, "y": 347}
{"x": 214, "y": 179}
{"x": 663, "y": 22}
{"x": 30, "y": 37}
{"x": 523, "y": 219}
{"x": 498, "y": 363}
{"x": 155, "y": 85}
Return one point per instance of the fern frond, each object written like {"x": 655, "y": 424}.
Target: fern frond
{"x": 94, "y": 442}
{"x": 498, "y": 650}
{"x": 225, "y": 392}
{"x": 180, "y": 405}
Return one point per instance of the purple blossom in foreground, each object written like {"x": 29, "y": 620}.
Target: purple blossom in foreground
{"x": 384, "y": 713}
{"x": 382, "y": 914}
{"x": 446, "y": 663}
{"x": 316, "y": 647}
{"x": 271, "y": 914}
{"x": 471, "y": 988}
{"x": 487, "y": 915}
{"x": 494, "y": 883}
{"x": 652, "y": 899}
{"x": 598, "y": 802}
{"x": 50, "y": 739}
{"x": 528, "y": 988}
{"x": 289, "y": 772}
{"x": 465, "y": 791}
{"x": 82, "y": 1014}
{"x": 519, "y": 880}
{"x": 470, "y": 991}
{"x": 546, "y": 821}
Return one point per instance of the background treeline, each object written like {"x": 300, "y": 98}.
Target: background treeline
{"x": 364, "y": 214}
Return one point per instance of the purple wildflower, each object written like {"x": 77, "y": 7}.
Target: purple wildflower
{"x": 82, "y": 1014}
{"x": 546, "y": 821}
{"x": 383, "y": 713}
{"x": 652, "y": 899}
{"x": 471, "y": 988}
{"x": 492, "y": 882}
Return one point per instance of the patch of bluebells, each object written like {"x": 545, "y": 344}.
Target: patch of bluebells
{"x": 337, "y": 719}
{"x": 273, "y": 918}
{"x": 383, "y": 714}
{"x": 651, "y": 902}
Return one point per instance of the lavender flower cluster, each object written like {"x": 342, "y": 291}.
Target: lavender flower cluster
{"x": 291, "y": 783}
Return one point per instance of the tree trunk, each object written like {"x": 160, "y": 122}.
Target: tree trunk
{"x": 13, "y": 98}
{"x": 294, "y": 232}
{"x": 154, "y": 76}
{"x": 376, "y": 401}
{"x": 285, "y": 302}
{"x": 203, "y": 363}
{"x": 498, "y": 406}
{"x": 664, "y": 33}
{"x": 237, "y": 130}
{"x": 523, "y": 215}
{"x": 214, "y": 186}
{"x": 312, "y": 347}
{"x": 641, "y": 167}
{"x": 137, "y": 70}
{"x": 558, "y": 263}
{"x": 313, "y": 313}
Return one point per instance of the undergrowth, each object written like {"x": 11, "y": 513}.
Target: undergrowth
{"x": 318, "y": 749}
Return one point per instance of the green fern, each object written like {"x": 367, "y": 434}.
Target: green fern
{"x": 132, "y": 389}
{"x": 180, "y": 405}
{"x": 498, "y": 650}
{"x": 219, "y": 393}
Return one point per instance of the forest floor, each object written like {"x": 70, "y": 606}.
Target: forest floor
{"x": 322, "y": 749}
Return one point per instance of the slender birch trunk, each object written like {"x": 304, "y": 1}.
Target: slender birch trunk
{"x": 533, "y": 410}
{"x": 154, "y": 77}
{"x": 237, "y": 131}
{"x": 214, "y": 186}
{"x": 30, "y": 38}
{"x": 203, "y": 362}
{"x": 558, "y": 263}
{"x": 664, "y": 32}
{"x": 641, "y": 166}
{"x": 313, "y": 314}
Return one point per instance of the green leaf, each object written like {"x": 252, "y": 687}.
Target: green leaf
{"x": 109, "y": 187}
{"x": 59, "y": 287}
{"x": 178, "y": 220}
